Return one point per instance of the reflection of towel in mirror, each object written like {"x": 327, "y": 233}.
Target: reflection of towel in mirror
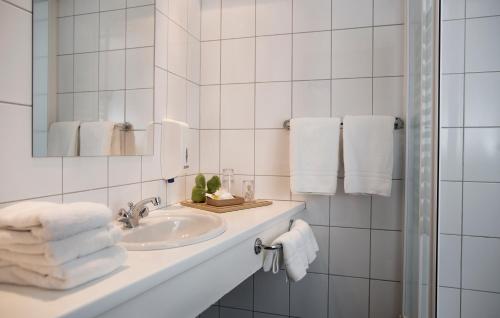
{"x": 96, "y": 138}
{"x": 63, "y": 138}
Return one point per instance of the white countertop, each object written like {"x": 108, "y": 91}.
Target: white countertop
{"x": 142, "y": 271}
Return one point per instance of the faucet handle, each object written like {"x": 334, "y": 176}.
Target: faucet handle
{"x": 130, "y": 204}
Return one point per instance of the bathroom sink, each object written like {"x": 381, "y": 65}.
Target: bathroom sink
{"x": 162, "y": 230}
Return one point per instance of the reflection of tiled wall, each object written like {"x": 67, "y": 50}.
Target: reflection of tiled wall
{"x": 265, "y": 61}
{"x": 105, "y": 62}
{"x": 469, "y": 253}
{"x": 114, "y": 180}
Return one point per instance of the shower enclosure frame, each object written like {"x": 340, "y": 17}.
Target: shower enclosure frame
{"x": 420, "y": 241}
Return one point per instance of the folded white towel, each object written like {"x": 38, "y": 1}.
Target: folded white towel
{"x": 37, "y": 222}
{"x": 310, "y": 243}
{"x": 96, "y": 138}
{"x": 67, "y": 275}
{"x": 299, "y": 248}
{"x": 53, "y": 253}
{"x": 63, "y": 138}
{"x": 368, "y": 154}
{"x": 314, "y": 155}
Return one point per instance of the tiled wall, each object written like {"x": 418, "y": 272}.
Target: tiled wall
{"x": 109, "y": 180}
{"x": 469, "y": 253}
{"x": 265, "y": 61}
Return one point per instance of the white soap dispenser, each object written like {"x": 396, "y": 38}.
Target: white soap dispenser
{"x": 174, "y": 148}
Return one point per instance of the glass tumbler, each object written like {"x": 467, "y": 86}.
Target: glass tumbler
{"x": 227, "y": 179}
{"x": 248, "y": 190}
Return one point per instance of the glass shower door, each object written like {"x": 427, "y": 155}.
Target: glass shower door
{"x": 421, "y": 160}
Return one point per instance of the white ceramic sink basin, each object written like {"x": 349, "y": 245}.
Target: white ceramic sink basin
{"x": 162, "y": 230}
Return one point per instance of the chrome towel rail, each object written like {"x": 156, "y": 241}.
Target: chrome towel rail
{"x": 259, "y": 246}
{"x": 398, "y": 123}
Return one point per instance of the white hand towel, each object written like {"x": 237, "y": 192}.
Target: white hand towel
{"x": 37, "y": 222}
{"x": 96, "y": 138}
{"x": 310, "y": 243}
{"x": 314, "y": 155}
{"x": 67, "y": 275}
{"x": 54, "y": 253}
{"x": 63, "y": 138}
{"x": 368, "y": 154}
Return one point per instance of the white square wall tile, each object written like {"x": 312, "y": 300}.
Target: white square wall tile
{"x": 320, "y": 264}
{"x": 480, "y": 262}
{"x": 450, "y": 207}
{"x": 237, "y": 106}
{"x": 119, "y": 196}
{"x": 86, "y": 6}
{"x": 160, "y": 94}
{"x": 65, "y": 34}
{"x": 309, "y": 296}
{"x": 193, "y": 105}
{"x": 481, "y": 202}
{"x": 388, "y": 96}
{"x": 238, "y": 60}
{"x": 483, "y": 47}
{"x": 161, "y": 40}
{"x": 349, "y": 296}
{"x": 86, "y": 106}
{"x": 112, "y": 30}
{"x": 452, "y": 46}
{"x": 311, "y": 55}
{"x": 238, "y": 18}
{"x": 194, "y": 152}
{"x": 210, "y": 62}
{"x": 140, "y": 26}
{"x": 15, "y": 36}
{"x": 112, "y": 70}
{"x": 452, "y": 9}
{"x": 86, "y": 33}
{"x": 386, "y": 252}
{"x": 481, "y": 8}
{"x": 388, "y": 49}
{"x": 96, "y": 196}
{"x": 151, "y": 165}
{"x": 210, "y": 19}
{"x": 271, "y": 152}
{"x": 452, "y": 100}
{"x": 274, "y": 16}
{"x": 351, "y": 97}
{"x": 84, "y": 173}
{"x": 86, "y": 72}
{"x": 481, "y": 154}
{"x": 176, "y": 191}
{"x": 237, "y": 151}
{"x": 112, "y": 106}
{"x": 156, "y": 188}
{"x": 209, "y": 151}
{"x": 451, "y": 153}
{"x": 348, "y": 210}
{"x": 193, "y": 59}
{"x": 270, "y": 187}
{"x": 482, "y": 99}
{"x": 124, "y": 170}
{"x": 449, "y": 302}
{"x": 140, "y": 68}
{"x": 352, "y": 53}
{"x": 450, "y": 253}
{"x": 388, "y": 12}
{"x": 194, "y": 18}
{"x": 177, "y": 49}
{"x": 272, "y": 104}
{"x": 317, "y": 209}
{"x": 349, "y": 251}
{"x": 479, "y": 304}
{"x": 311, "y": 98}
{"x": 387, "y": 212}
{"x": 311, "y": 15}
{"x": 138, "y": 3}
{"x": 66, "y": 7}
{"x": 351, "y": 13}
{"x": 274, "y": 58}
{"x": 111, "y": 4}
{"x": 178, "y": 10}
{"x": 385, "y": 299}
{"x": 210, "y": 107}
{"x": 41, "y": 176}
{"x": 65, "y": 76}
{"x": 176, "y": 97}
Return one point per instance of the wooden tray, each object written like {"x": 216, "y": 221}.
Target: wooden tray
{"x": 224, "y": 209}
{"x": 236, "y": 200}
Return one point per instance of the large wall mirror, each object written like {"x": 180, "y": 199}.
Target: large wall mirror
{"x": 93, "y": 78}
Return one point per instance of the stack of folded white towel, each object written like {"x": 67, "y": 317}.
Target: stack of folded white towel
{"x": 299, "y": 248}
{"x": 57, "y": 246}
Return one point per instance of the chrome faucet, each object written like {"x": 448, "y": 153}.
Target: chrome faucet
{"x": 130, "y": 218}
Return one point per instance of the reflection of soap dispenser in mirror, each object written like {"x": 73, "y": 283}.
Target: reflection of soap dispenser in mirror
{"x": 174, "y": 148}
